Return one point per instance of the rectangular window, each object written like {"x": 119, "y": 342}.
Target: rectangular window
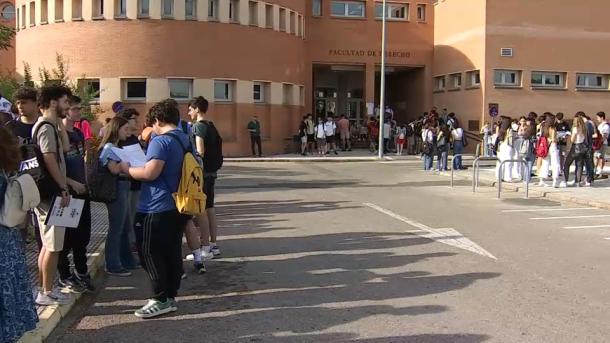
{"x": 293, "y": 23}
{"x": 300, "y": 26}
{"x": 180, "y": 89}
{"x": 253, "y": 9}
{"x": 44, "y": 11}
{"x": 269, "y": 16}
{"x": 59, "y": 11}
{"x": 32, "y": 13}
{"x": 167, "y": 10}
{"x": 316, "y": 8}
{"x": 548, "y": 79}
{"x": 98, "y": 9}
{"x": 77, "y": 9}
{"x": 394, "y": 11}
{"x": 190, "y": 9}
{"x": 143, "y": 8}
{"x": 18, "y": 18}
{"x": 507, "y": 78}
{"x": 23, "y": 17}
{"x": 234, "y": 11}
{"x": 258, "y": 92}
{"x": 90, "y": 86}
{"x": 591, "y": 81}
{"x": 353, "y": 9}
{"x": 213, "y": 9}
{"x": 421, "y": 12}
{"x": 223, "y": 90}
{"x": 473, "y": 79}
{"x": 455, "y": 81}
{"x": 439, "y": 83}
{"x": 120, "y": 8}
{"x": 134, "y": 89}
{"x": 287, "y": 88}
{"x": 282, "y": 19}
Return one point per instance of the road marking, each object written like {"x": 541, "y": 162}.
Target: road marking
{"x": 551, "y": 209}
{"x": 572, "y": 217}
{"x": 586, "y": 227}
{"x": 447, "y": 236}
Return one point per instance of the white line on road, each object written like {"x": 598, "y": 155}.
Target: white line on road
{"x": 551, "y": 209}
{"x": 572, "y": 217}
{"x": 446, "y": 236}
{"x": 586, "y": 227}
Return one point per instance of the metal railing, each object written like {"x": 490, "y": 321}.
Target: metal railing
{"x": 475, "y": 170}
{"x": 525, "y": 179}
{"x": 453, "y": 165}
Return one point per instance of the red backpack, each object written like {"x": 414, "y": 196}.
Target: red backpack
{"x": 598, "y": 142}
{"x": 542, "y": 147}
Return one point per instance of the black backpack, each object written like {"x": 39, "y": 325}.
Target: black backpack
{"x": 32, "y": 163}
{"x": 212, "y": 155}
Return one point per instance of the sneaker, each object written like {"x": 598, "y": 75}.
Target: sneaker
{"x": 555, "y": 184}
{"x": 71, "y": 285}
{"x": 587, "y": 184}
{"x": 173, "y": 303}
{"x": 154, "y": 308}
{"x": 55, "y": 297}
{"x": 336, "y": 153}
{"x": 572, "y": 183}
{"x": 206, "y": 255}
{"x": 85, "y": 282}
{"x": 563, "y": 184}
{"x": 183, "y": 277}
{"x": 200, "y": 268}
{"x": 541, "y": 183}
{"x": 216, "y": 251}
{"x": 121, "y": 273}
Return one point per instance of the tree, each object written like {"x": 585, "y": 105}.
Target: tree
{"x": 6, "y": 36}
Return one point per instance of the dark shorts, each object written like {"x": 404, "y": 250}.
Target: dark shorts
{"x": 209, "y": 183}
{"x": 311, "y": 138}
{"x": 330, "y": 139}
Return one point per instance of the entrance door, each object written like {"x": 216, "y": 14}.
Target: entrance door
{"x": 355, "y": 111}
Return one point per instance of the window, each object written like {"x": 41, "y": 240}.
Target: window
{"x": 32, "y": 13}
{"x": 439, "y": 83}
{"x": 7, "y": 12}
{"x": 234, "y": 11}
{"x": 180, "y": 89}
{"x": 282, "y": 19}
{"x": 269, "y": 16}
{"x": 393, "y": 11}
{"x": 168, "y": 8}
{"x": 316, "y": 8}
{"x": 223, "y": 90}
{"x": 347, "y": 9}
{"x": 77, "y": 9}
{"x": 253, "y": 6}
{"x": 90, "y": 86}
{"x": 293, "y": 23}
{"x": 258, "y": 91}
{"x": 300, "y": 26}
{"x": 507, "y": 78}
{"x": 592, "y": 81}
{"x": 421, "y": 12}
{"x": 213, "y": 9}
{"x": 23, "y": 17}
{"x": 287, "y": 88}
{"x": 59, "y": 11}
{"x": 548, "y": 79}
{"x": 455, "y": 81}
{"x": 17, "y": 21}
{"x": 190, "y": 9}
{"x": 143, "y": 8}
{"x": 120, "y": 8}
{"x": 44, "y": 11}
{"x": 98, "y": 9}
{"x": 473, "y": 79}
{"x": 134, "y": 89}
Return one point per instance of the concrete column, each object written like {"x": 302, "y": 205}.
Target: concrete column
{"x": 369, "y": 81}
{"x": 132, "y": 9}
{"x": 157, "y": 90}
{"x": 262, "y": 23}
{"x": 110, "y": 89}
{"x": 155, "y": 9}
{"x": 202, "y": 10}
{"x": 88, "y": 11}
{"x": 277, "y": 93}
{"x": 51, "y": 12}
{"x": 244, "y": 12}
{"x": 223, "y": 11}
{"x": 243, "y": 92}
{"x": 179, "y": 9}
{"x": 38, "y": 12}
{"x": 204, "y": 88}
{"x": 68, "y": 10}
{"x": 276, "y": 17}
{"x": 109, "y": 12}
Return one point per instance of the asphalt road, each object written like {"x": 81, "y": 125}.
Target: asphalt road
{"x": 375, "y": 253}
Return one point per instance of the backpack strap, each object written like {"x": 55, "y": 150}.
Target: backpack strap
{"x": 177, "y": 138}
{"x": 35, "y": 138}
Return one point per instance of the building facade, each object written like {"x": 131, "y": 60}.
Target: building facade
{"x": 280, "y": 59}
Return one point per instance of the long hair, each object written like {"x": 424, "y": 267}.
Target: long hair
{"x": 505, "y": 124}
{"x": 548, "y": 124}
{"x": 10, "y": 156}
{"x": 579, "y": 124}
{"x": 111, "y": 133}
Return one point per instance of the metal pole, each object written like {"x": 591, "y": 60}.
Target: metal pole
{"x": 382, "y": 86}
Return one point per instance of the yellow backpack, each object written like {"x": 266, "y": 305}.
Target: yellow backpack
{"x": 190, "y": 199}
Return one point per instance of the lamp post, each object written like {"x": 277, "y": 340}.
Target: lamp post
{"x": 382, "y": 86}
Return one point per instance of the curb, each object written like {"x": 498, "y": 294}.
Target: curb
{"x": 561, "y": 197}
{"x": 51, "y": 316}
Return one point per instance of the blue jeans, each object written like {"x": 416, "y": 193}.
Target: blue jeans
{"x": 427, "y": 162}
{"x": 118, "y": 247}
{"x": 442, "y": 156}
{"x": 458, "y": 148}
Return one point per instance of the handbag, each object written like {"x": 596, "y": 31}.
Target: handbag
{"x": 103, "y": 185}
{"x": 524, "y": 149}
{"x": 21, "y": 196}
{"x": 580, "y": 149}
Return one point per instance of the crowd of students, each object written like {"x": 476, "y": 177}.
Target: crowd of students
{"x": 48, "y": 138}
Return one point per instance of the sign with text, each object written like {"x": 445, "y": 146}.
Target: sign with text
{"x": 368, "y": 53}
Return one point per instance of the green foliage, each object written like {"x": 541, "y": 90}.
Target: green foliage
{"x": 27, "y": 75}
{"x": 6, "y": 36}
{"x": 8, "y": 85}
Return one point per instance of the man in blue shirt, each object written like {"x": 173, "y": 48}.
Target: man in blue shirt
{"x": 158, "y": 225}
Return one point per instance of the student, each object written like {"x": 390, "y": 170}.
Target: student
{"x": 550, "y": 162}
{"x": 577, "y": 152}
{"x": 387, "y": 131}
{"x": 604, "y": 131}
{"x": 442, "y": 147}
{"x": 505, "y": 148}
{"x": 320, "y": 137}
{"x": 330, "y": 129}
{"x": 17, "y": 311}
{"x": 25, "y": 99}
{"x": 563, "y": 131}
{"x": 457, "y": 137}
{"x": 159, "y": 226}
{"x": 119, "y": 259}
{"x": 590, "y": 131}
{"x": 210, "y": 142}
{"x": 373, "y": 132}
{"x": 53, "y": 103}
{"x": 311, "y": 133}
{"x": 254, "y": 127}
{"x": 401, "y": 139}
{"x": 303, "y": 136}
{"x": 76, "y": 239}
{"x": 428, "y": 146}
{"x": 344, "y": 133}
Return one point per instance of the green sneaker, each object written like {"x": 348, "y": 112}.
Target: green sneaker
{"x": 154, "y": 308}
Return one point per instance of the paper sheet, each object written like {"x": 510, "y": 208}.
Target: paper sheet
{"x": 65, "y": 216}
{"x": 132, "y": 154}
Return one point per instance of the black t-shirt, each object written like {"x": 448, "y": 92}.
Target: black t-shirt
{"x": 131, "y": 140}
{"x": 75, "y": 157}
{"x": 22, "y": 131}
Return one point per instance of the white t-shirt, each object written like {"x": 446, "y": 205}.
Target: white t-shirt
{"x": 320, "y": 131}
{"x": 457, "y": 134}
{"x": 386, "y": 130}
{"x": 580, "y": 138}
{"x": 604, "y": 129}
{"x": 427, "y": 136}
{"x": 330, "y": 128}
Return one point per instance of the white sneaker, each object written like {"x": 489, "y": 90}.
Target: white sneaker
{"x": 206, "y": 255}
{"x": 55, "y": 297}
{"x": 216, "y": 251}
{"x": 563, "y": 184}
{"x": 572, "y": 183}
{"x": 554, "y": 184}
{"x": 587, "y": 184}
{"x": 189, "y": 257}
{"x": 542, "y": 183}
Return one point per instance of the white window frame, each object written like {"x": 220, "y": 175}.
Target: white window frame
{"x": 282, "y": 21}
{"x": 544, "y": 75}
{"x": 125, "y": 91}
{"x": 287, "y": 94}
{"x": 316, "y": 8}
{"x": 191, "y": 16}
{"x": 120, "y": 8}
{"x": 163, "y": 13}
{"x": 346, "y": 13}
{"x": 587, "y": 84}
{"x": 59, "y": 15}
{"x": 505, "y": 75}
{"x": 82, "y": 83}
{"x": 141, "y": 13}
{"x": 253, "y": 17}
{"x": 262, "y": 91}
{"x": 390, "y": 6}
{"x": 234, "y": 11}
{"x": 471, "y": 79}
{"x": 213, "y": 9}
{"x": 228, "y": 84}
{"x": 178, "y": 79}
{"x": 452, "y": 80}
{"x": 268, "y": 17}
{"x": 33, "y": 14}
{"x": 77, "y": 10}
{"x": 97, "y": 9}
{"x": 440, "y": 83}
{"x": 423, "y": 11}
